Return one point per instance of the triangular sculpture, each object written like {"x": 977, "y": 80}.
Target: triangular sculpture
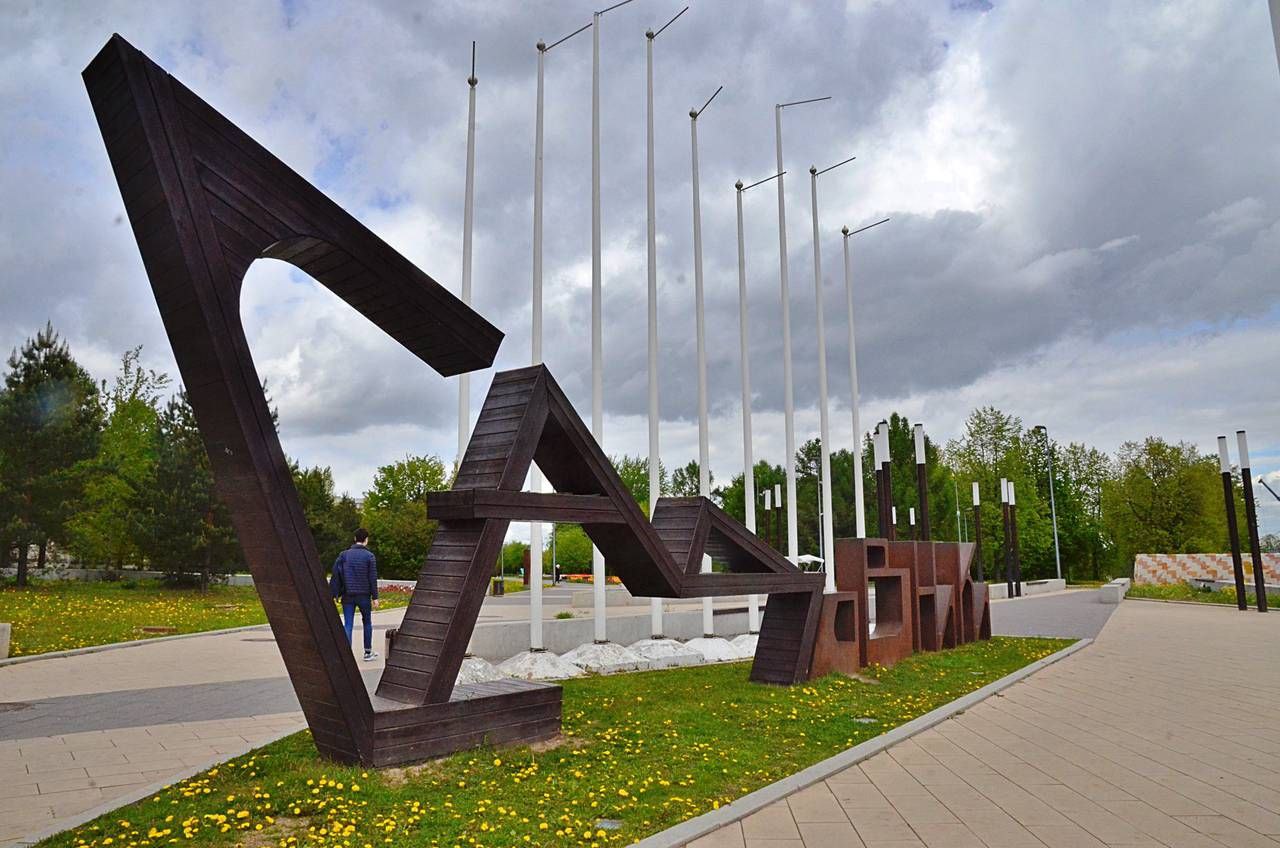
{"x": 204, "y": 201}
{"x": 527, "y": 418}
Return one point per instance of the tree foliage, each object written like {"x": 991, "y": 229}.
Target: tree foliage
{"x": 333, "y": 519}
{"x": 572, "y": 548}
{"x": 110, "y": 518}
{"x": 50, "y": 423}
{"x": 185, "y": 528}
{"x": 395, "y": 513}
{"x": 1164, "y": 498}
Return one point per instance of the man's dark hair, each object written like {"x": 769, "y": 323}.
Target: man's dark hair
{"x": 362, "y": 535}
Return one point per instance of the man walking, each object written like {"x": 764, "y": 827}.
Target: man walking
{"x": 355, "y": 581}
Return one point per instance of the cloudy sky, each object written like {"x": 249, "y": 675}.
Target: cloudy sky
{"x": 1085, "y": 208}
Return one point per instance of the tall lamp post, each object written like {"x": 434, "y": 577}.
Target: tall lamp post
{"x": 597, "y": 303}
{"x": 777, "y": 519}
{"x": 748, "y": 460}
{"x": 922, "y": 481}
{"x": 1233, "y": 530}
{"x": 1013, "y": 539}
{"x": 535, "y": 475}
{"x": 793, "y": 540}
{"x": 1251, "y": 521}
{"x": 828, "y": 521}
{"x": 704, "y": 452}
{"x": 468, "y": 218}
{"x": 1053, "y": 506}
{"x": 859, "y": 497}
{"x": 1008, "y": 538}
{"x": 977, "y": 530}
{"x": 655, "y": 464}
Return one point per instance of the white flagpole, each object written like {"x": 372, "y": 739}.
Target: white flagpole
{"x": 859, "y": 495}
{"x": 793, "y": 541}
{"x": 704, "y": 462}
{"x": 655, "y": 463}
{"x": 468, "y": 218}
{"x": 748, "y": 470}
{"x": 597, "y": 339}
{"x": 748, "y": 460}
{"x": 859, "y": 498}
{"x": 535, "y": 475}
{"x": 597, "y": 302}
{"x": 828, "y": 520}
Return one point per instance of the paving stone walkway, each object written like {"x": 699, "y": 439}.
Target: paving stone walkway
{"x": 84, "y": 730}
{"x": 1164, "y": 732}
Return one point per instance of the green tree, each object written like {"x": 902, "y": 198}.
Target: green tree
{"x": 1080, "y": 475}
{"x": 684, "y": 480}
{"x": 512, "y": 559}
{"x": 184, "y": 526}
{"x": 1164, "y": 498}
{"x": 634, "y": 472}
{"x": 572, "y": 548}
{"x": 995, "y": 445}
{"x": 771, "y": 524}
{"x": 395, "y": 513}
{"x": 108, "y": 523}
{"x": 50, "y": 423}
{"x": 332, "y": 519}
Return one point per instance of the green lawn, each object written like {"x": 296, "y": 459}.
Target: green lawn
{"x": 1185, "y": 592}
{"x": 58, "y": 615}
{"x": 645, "y": 750}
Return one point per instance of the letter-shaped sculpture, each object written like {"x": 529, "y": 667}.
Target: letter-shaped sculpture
{"x": 205, "y": 201}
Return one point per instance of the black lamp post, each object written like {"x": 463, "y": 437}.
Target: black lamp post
{"x": 1233, "y": 529}
{"x": 922, "y": 482}
{"x": 1251, "y": 521}
{"x": 977, "y": 532}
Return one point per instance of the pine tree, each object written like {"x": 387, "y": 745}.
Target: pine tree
{"x": 50, "y": 422}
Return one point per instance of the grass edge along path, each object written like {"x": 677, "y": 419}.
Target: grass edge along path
{"x": 1187, "y": 593}
{"x": 61, "y": 615}
{"x": 641, "y": 752}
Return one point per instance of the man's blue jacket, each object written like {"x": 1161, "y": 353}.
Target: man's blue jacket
{"x": 355, "y": 572}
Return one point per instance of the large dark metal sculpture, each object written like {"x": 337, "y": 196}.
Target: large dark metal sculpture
{"x": 205, "y": 201}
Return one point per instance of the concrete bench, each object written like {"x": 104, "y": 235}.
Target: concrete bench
{"x": 1114, "y": 592}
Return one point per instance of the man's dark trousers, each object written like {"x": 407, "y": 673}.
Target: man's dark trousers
{"x": 350, "y": 603}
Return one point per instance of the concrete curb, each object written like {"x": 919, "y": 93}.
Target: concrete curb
{"x": 132, "y": 643}
{"x": 686, "y": 832}
{"x": 116, "y": 803}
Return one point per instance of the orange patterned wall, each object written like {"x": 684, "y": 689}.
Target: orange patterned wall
{"x": 1178, "y": 568}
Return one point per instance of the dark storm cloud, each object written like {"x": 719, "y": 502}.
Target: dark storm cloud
{"x": 1053, "y": 178}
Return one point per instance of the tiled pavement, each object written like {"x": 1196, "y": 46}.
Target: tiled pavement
{"x": 51, "y": 778}
{"x": 102, "y": 726}
{"x": 1164, "y": 732}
